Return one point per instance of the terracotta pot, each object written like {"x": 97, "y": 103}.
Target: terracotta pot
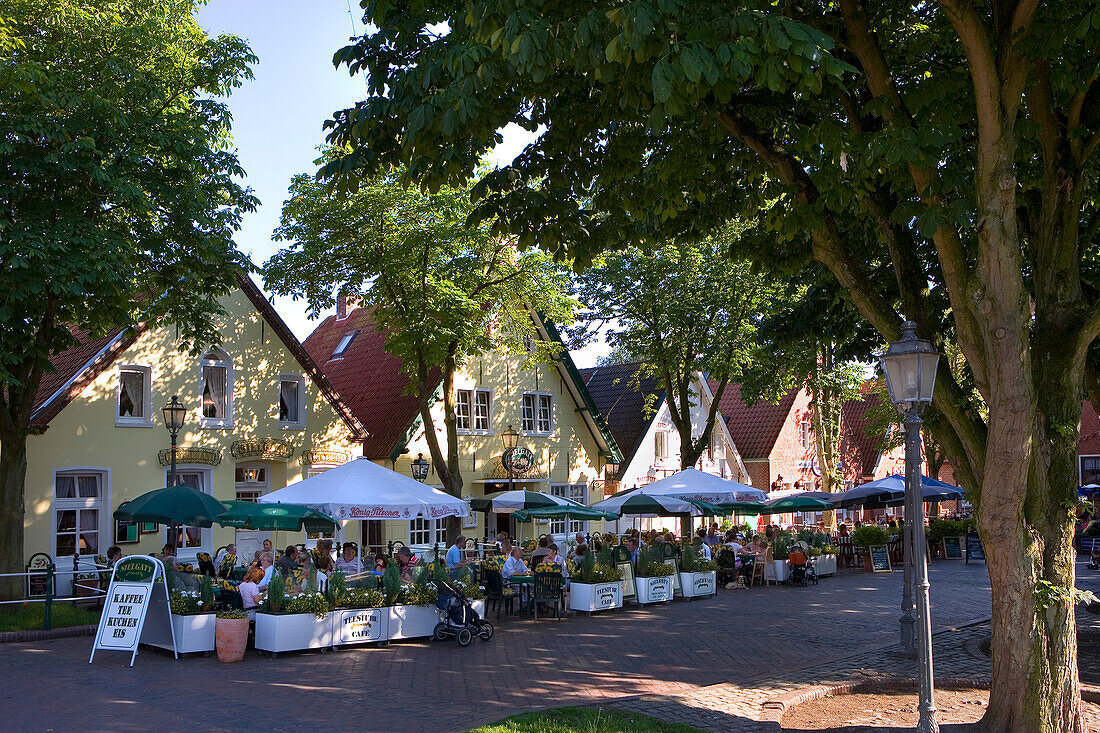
{"x": 230, "y": 638}
{"x": 867, "y": 567}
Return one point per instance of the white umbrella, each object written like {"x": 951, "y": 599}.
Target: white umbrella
{"x": 361, "y": 489}
{"x": 694, "y": 484}
{"x": 507, "y": 502}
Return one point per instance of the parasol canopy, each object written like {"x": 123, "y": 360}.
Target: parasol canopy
{"x": 890, "y": 491}
{"x": 172, "y": 505}
{"x": 693, "y": 484}
{"x": 562, "y": 512}
{"x": 270, "y": 517}
{"x": 801, "y": 502}
{"x": 506, "y": 502}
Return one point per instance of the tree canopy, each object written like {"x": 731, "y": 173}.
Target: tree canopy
{"x": 118, "y": 192}
{"x": 938, "y": 159}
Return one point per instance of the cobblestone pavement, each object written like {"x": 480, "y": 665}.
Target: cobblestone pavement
{"x": 717, "y": 657}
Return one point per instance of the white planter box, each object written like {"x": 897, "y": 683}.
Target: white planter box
{"x": 699, "y": 584}
{"x": 782, "y": 570}
{"x": 654, "y": 590}
{"x": 359, "y": 626}
{"x": 595, "y": 596}
{"x": 412, "y": 622}
{"x": 287, "y": 632}
{"x": 193, "y": 633}
{"x": 825, "y": 565}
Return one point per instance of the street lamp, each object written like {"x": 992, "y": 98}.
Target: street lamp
{"x": 420, "y": 467}
{"x": 910, "y": 369}
{"x": 174, "y": 413}
{"x": 510, "y": 439}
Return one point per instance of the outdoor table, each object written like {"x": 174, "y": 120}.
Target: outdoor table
{"x": 523, "y": 582}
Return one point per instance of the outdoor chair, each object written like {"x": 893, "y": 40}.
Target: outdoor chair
{"x": 547, "y": 590}
{"x": 496, "y": 592}
{"x": 727, "y": 566}
{"x": 768, "y": 574}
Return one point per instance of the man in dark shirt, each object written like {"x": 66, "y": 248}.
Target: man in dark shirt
{"x": 288, "y": 563}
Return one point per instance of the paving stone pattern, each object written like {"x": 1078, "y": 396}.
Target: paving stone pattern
{"x": 707, "y": 662}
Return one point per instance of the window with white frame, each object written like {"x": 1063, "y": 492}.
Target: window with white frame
{"x": 537, "y": 413}
{"x": 198, "y": 479}
{"x": 292, "y": 401}
{"x": 427, "y": 531}
{"x": 216, "y": 388}
{"x": 805, "y": 433}
{"x": 577, "y": 493}
{"x": 78, "y": 511}
{"x": 1090, "y": 470}
{"x": 250, "y": 482}
{"x": 133, "y": 395}
{"x": 473, "y": 410}
{"x": 660, "y": 445}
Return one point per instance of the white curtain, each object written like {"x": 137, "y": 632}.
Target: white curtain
{"x": 288, "y": 401}
{"x": 213, "y": 391}
{"x": 131, "y": 398}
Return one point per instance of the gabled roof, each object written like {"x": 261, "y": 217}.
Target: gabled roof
{"x": 372, "y": 383}
{"x": 369, "y": 379}
{"x": 754, "y": 428}
{"x": 621, "y": 397}
{"x": 78, "y": 367}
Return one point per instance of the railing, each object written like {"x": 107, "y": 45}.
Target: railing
{"x": 49, "y": 573}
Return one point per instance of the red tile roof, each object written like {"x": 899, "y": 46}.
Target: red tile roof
{"x": 756, "y": 427}
{"x": 621, "y": 397}
{"x": 368, "y": 378}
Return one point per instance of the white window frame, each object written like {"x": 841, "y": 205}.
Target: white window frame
{"x": 471, "y": 415}
{"x": 1081, "y": 467}
{"x": 342, "y": 346}
{"x": 535, "y": 426}
{"x": 217, "y": 358}
{"x": 804, "y": 434}
{"x": 660, "y": 445}
{"x": 146, "y": 420}
{"x": 262, "y": 487}
{"x": 101, "y": 504}
{"x": 300, "y": 423}
{"x": 430, "y": 528}
{"x": 578, "y": 493}
{"x": 204, "y": 532}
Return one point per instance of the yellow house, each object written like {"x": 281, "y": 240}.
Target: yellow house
{"x": 260, "y": 415}
{"x": 547, "y": 404}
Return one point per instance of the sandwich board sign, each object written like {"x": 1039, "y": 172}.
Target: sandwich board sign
{"x": 133, "y": 588}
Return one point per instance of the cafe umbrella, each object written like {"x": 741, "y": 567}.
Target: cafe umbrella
{"x": 275, "y": 517}
{"x": 890, "y": 491}
{"x": 796, "y": 503}
{"x": 507, "y": 502}
{"x": 579, "y": 513}
{"x": 173, "y": 506}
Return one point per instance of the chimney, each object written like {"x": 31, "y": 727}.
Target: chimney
{"x": 341, "y": 307}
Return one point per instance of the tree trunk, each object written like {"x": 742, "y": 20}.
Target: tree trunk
{"x": 13, "y": 474}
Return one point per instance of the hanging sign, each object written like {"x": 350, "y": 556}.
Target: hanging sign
{"x": 518, "y": 459}
{"x": 128, "y": 599}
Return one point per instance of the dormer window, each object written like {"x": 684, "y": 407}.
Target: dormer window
{"x": 345, "y": 342}
{"x": 132, "y": 396}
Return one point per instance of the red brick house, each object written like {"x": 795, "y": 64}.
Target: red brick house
{"x": 776, "y": 441}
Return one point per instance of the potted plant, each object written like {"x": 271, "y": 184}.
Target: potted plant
{"x": 825, "y": 562}
{"x": 781, "y": 551}
{"x": 698, "y": 576}
{"x": 869, "y": 536}
{"x": 414, "y": 615}
{"x": 193, "y": 618}
{"x": 285, "y": 623}
{"x": 231, "y": 635}
{"x": 652, "y": 577}
{"x": 361, "y": 619}
{"x": 595, "y": 586}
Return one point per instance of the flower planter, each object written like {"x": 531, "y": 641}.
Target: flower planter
{"x": 412, "y": 622}
{"x": 825, "y": 565}
{"x": 695, "y": 585}
{"x": 231, "y": 638}
{"x": 359, "y": 626}
{"x": 290, "y": 631}
{"x": 653, "y": 590}
{"x": 782, "y": 570}
{"x": 595, "y": 596}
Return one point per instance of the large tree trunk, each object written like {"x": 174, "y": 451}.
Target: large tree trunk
{"x": 13, "y": 474}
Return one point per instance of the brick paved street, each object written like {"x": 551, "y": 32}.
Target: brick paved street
{"x": 757, "y": 635}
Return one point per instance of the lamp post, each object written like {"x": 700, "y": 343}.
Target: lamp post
{"x": 510, "y": 439}
{"x": 174, "y": 413}
{"x": 910, "y": 369}
{"x": 420, "y": 468}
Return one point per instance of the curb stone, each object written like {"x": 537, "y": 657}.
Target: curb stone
{"x": 42, "y": 635}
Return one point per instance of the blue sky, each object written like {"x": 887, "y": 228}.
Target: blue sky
{"x": 277, "y": 117}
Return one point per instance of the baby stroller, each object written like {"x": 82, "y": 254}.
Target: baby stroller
{"x": 802, "y": 566}
{"x": 458, "y": 618}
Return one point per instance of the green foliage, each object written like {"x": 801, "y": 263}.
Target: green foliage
{"x": 870, "y": 536}
{"x": 781, "y": 546}
{"x": 337, "y": 588}
{"x": 940, "y": 528}
{"x": 1047, "y": 595}
{"x": 308, "y": 602}
{"x": 1093, "y": 529}
{"x": 691, "y": 560}
{"x": 188, "y": 602}
{"x": 275, "y": 599}
{"x": 236, "y": 613}
{"x": 391, "y": 583}
{"x": 651, "y": 564}
{"x": 364, "y": 598}
{"x": 311, "y": 585}
{"x": 439, "y": 573}
{"x": 418, "y": 594}
{"x": 206, "y": 591}
{"x": 588, "y": 720}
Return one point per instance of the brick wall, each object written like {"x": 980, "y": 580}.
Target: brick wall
{"x": 787, "y": 454}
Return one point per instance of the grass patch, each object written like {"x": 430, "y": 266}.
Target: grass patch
{"x": 582, "y": 720}
{"x": 29, "y": 617}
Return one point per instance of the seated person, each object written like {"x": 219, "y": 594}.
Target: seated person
{"x": 553, "y": 557}
{"x": 267, "y": 565}
{"x": 514, "y": 565}
{"x": 114, "y": 554}
{"x": 700, "y": 543}
{"x": 504, "y": 544}
{"x": 632, "y": 548}
{"x": 301, "y": 575}
{"x": 406, "y": 561}
{"x": 579, "y": 541}
{"x": 288, "y": 563}
{"x": 456, "y": 559}
{"x": 268, "y": 547}
{"x": 250, "y": 591}
{"x": 380, "y": 564}
{"x": 540, "y": 551}
{"x": 230, "y": 549}
{"x": 324, "y": 570}
{"x": 349, "y": 562}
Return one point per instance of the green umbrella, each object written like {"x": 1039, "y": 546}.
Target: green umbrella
{"x": 562, "y": 512}
{"x": 630, "y": 502}
{"x": 506, "y": 502}
{"x": 172, "y": 505}
{"x": 797, "y": 503}
{"x": 743, "y": 507}
{"x": 268, "y": 517}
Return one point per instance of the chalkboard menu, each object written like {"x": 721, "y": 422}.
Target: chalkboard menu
{"x": 952, "y": 548}
{"x": 880, "y": 559}
{"x": 974, "y": 549}
{"x": 126, "y": 531}
{"x": 37, "y": 584}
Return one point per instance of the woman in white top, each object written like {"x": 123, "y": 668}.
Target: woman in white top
{"x": 250, "y": 591}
